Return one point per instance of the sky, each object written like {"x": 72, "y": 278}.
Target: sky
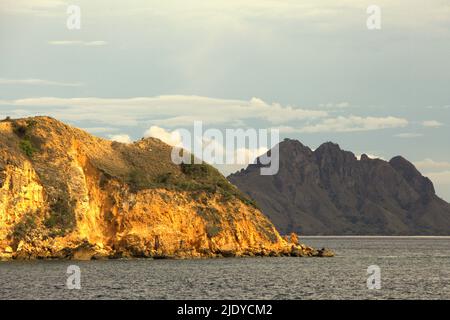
{"x": 312, "y": 69}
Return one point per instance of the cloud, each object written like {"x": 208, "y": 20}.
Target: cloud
{"x": 430, "y": 164}
{"x": 371, "y": 156}
{"x": 408, "y": 135}
{"x": 122, "y": 138}
{"x": 331, "y": 105}
{"x": 242, "y": 157}
{"x": 441, "y": 178}
{"x": 171, "y": 138}
{"x": 441, "y": 181}
{"x": 438, "y": 107}
{"x": 349, "y": 124}
{"x": 432, "y": 124}
{"x": 179, "y": 9}
{"x": 38, "y": 82}
{"x": 214, "y": 151}
{"x": 355, "y": 123}
{"x": 32, "y": 6}
{"x": 324, "y": 16}
{"x": 95, "y": 130}
{"x": 168, "y": 111}
{"x": 180, "y": 111}
{"x": 439, "y": 173}
{"x": 96, "y": 43}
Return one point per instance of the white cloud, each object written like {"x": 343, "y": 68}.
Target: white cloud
{"x": 181, "y": 111}
{"x": 441, "y": 178}
{"x": 94, "y": 130}
{"x": 325, "y": 15}
{"x": 38, "y": 82}
{"x": 242, "y": 156}
{"x": 441, "y": 181}
{"x": 432, "y": 124}
{"x": 122, "y": 138}
{"x": 430, "y": 164}
{"x": 171, "y": 138}
{"x": 169, "y": 111}
{"x": 96, "y": 43}
{"x": 32, "y": 6}
{"x": 439, "y": 173}
{"x": 349, "y": 124}
{"x": 355, "y": 123}
{"x": 438, "y": 107}
{"x": 331, "y": 105}
{"x": 371, "y": 156}
{"x": 180, "y": 9}
{"x": 408, "y": 135}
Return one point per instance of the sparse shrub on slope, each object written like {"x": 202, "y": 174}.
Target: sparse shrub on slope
{"x": 24, "y": 227}
{"x": 61, "y": 219}
{"x": 27, "y": 147}
{"x": 24, "y": 131}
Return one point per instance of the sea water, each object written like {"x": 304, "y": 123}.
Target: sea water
{"x": 410, "y": 268}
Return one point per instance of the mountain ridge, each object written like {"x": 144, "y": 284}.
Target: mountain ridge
{"x": 329, "y": 191}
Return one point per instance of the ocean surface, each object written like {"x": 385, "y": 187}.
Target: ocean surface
{"x": 411, "y": 268}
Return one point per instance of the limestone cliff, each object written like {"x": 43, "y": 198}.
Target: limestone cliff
{"x": 67, "y": 194}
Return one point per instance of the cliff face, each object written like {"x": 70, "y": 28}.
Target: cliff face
{"x": 330, "y": 192}
{"x": 67, "y": 194}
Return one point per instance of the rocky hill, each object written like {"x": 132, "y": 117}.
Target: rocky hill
{"x": 330, "y": 192}
{"x": 67, "y": 194}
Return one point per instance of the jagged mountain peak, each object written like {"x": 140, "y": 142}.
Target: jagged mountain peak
{"x": 330, "y": 192}
{"x": 328, "y": 147}
{"x": 415, "y": 179}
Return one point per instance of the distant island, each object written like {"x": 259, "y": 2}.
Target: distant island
{"x": 65, "y": 194}
{"x": 330, "y": 191}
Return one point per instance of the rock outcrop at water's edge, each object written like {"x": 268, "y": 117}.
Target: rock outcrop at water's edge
{"x": 65, "y": 194}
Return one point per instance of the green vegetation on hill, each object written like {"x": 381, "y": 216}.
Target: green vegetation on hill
{"x": 192, "y": 177}
{"x": 61, "y": 219}
{"x": 24, "y": 132}
{"x": 27, "y": 147}
{"x": 24, "y": 227}
{"x": 148, "y": 165}
{"x": 145, "y": 164}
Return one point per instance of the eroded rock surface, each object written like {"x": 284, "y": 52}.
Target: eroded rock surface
{"x": 65, "y": 194}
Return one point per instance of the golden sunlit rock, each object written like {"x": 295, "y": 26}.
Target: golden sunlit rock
{"x": 68, "y": 195}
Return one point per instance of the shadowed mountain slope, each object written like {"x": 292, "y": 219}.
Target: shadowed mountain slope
{"x": 330, "y": 192}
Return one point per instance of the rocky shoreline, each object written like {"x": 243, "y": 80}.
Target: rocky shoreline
{"x": 88, "y": 251}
